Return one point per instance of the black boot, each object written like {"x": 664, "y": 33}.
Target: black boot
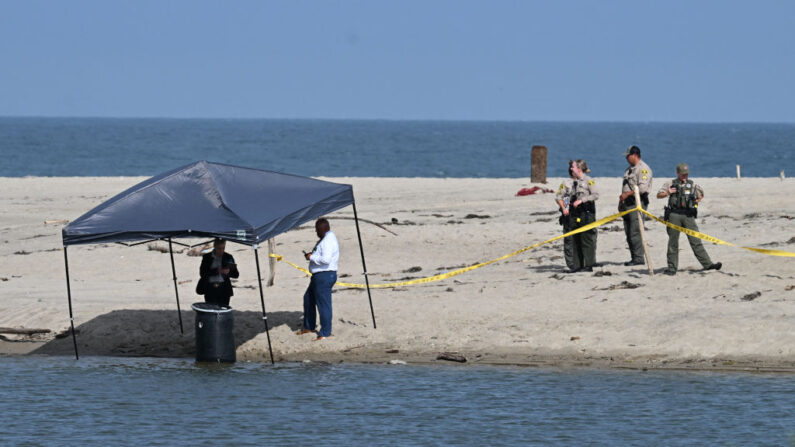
{"x": 715, "y": 266}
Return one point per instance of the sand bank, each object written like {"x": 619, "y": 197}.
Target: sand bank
{"x": 524, "y": 310}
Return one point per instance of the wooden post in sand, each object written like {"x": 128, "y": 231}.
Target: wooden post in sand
{"x": 271, "y": 261}
{"x": 643, "y": 231}
{"x": 538, "y": 164}
{"x": 738, "y": 172}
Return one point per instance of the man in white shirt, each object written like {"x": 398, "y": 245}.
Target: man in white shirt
{"x": 323, "y": 262}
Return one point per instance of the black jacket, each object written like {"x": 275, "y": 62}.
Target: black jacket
{"x": 206, "y": 271}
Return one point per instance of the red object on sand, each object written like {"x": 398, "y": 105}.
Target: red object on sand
{"x": 533, "y": 190}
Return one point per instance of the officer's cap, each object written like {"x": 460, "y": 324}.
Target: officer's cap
{"x": 682, "y": 168}
{"x": 632, "y": 150}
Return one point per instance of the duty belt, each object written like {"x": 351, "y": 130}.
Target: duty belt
{"x": 629, "y": 202}
{"x": 689, "y": 212}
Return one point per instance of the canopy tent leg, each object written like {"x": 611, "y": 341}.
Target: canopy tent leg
{"x": 364, "y": 265}
{"x": 176, "y": 290}
{"x": 69, "y": 296}
{"x": 262, "y": 301}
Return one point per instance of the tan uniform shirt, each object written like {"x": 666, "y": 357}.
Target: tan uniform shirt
{"x": 640, "y": 175}
{"x": 698, "y": 193}
{"x": 582, "y": 189}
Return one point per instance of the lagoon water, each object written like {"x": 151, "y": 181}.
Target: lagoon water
{"x": 176, "y": 402}
{"x": 334, "y": 148}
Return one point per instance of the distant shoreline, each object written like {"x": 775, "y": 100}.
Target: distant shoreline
{"x": 396, "y": 120}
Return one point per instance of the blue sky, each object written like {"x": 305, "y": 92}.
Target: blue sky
{"x": 450, "y": 60}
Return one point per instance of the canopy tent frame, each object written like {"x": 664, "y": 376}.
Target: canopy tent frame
{"x": 176, "y": 288}
{"x": 294, "y": 220}
{"x": 162, "y": 239}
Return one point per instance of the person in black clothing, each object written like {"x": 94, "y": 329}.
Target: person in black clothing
{"x": 216, "y": 269}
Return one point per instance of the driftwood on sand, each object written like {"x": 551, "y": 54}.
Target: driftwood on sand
{"x": 23, "y": 331}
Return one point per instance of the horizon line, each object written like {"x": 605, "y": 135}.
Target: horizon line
{"x": 450, "y": 120}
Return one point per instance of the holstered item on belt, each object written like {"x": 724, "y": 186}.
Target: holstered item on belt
{"x": 585, "y": 207}
{"x": 563, "y": 220}
{"x": 630, "y": 202}
{"x": 667, "y": 213}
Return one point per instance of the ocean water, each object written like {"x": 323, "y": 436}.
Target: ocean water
{"x": 124, "y": 147}
{"x": 161, "y": 402}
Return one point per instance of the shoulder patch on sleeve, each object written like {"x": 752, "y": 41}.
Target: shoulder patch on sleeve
{"x": 562, "y": 187}
{"x": 591, "y": 182}
{"x": 645, "y": 171}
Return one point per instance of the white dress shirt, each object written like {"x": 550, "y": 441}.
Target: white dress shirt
{"x": 218, "y": 278}
{"x": 326, "y": 255}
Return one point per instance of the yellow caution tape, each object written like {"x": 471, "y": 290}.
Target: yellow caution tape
{"x": 584, "y": 228}
{"x": 715, "y": 240}
{"x": 471, "y": 267}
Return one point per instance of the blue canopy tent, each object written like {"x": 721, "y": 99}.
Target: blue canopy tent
{"x": 204, "y": 199}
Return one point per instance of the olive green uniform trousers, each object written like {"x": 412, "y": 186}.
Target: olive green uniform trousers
{"x": 695, "y": 243}
{"x": 632, "y": 232}
{"x": 583, "y": 244}
{"x": 568, "y": 243}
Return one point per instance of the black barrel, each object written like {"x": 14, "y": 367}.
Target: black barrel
{"x": 214, "y": 327}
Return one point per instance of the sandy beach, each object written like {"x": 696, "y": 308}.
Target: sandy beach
{"x": 524, "y": 310}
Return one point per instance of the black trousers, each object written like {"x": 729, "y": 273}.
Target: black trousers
{"x": 217, "y": 295}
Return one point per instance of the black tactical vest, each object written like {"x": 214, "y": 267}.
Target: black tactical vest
{"x": 683, "y": 201}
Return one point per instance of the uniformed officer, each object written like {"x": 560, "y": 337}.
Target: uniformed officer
{"x": 576, "y": 198}
{"x": 637, "y": 174}
{"x": 683, "y": 199}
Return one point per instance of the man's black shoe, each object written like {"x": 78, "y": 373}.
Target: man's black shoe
{"x": 573, "y": 270}
{"x": 586, "y": 269}
{"x": 634, "y": 263}
{"x": 670, "y": 272}
{"x": 715, "y": 266}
